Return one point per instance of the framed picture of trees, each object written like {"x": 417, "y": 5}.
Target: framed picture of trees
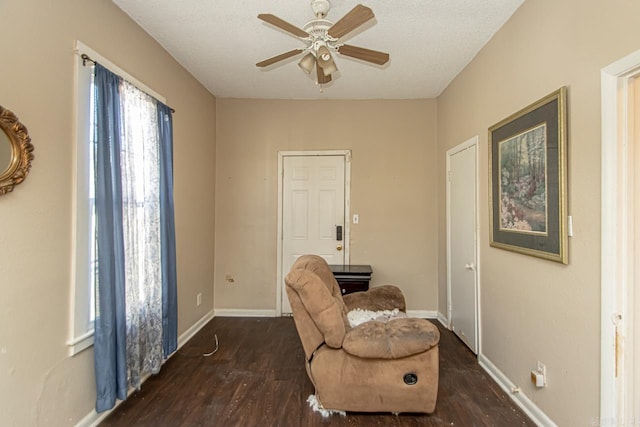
{"x": 528, "y": 180}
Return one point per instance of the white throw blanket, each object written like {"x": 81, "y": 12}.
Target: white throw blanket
{"x": 317, "y": 407}
{"x": 358, "y": 316}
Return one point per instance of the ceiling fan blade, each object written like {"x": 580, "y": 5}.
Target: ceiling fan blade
{"x": 352, "y": 20}
{"x": 280, "y": 57}
{"x": 322, "y": 79}
{"x": 368, "y": 55}
{"x": 283, "y": 25}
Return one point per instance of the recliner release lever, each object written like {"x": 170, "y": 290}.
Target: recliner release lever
{"x": 410, "y": 379}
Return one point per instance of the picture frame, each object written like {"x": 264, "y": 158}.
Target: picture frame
{"x": 528, "y": 180}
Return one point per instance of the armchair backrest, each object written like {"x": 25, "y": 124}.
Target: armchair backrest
{"x": 316, "y": 301}
{"x": 319, "y": 266}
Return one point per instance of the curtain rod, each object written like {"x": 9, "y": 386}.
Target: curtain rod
{"x": 86, "y": 58}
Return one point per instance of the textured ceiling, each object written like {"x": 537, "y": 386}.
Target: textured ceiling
{"x": 220, "y": 41}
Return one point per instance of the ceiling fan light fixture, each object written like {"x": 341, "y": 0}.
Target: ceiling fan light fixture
{"x": 323, "y": 55}
{"x": 307, "y": 63}
{"x": 322, "y": 78}
{"x": 325, "y": 60}
{"x": 329, "y": 68}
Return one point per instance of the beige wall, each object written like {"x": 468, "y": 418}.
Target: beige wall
{"x": 39, "y": 383}
{"x": 531, "y": 309}
{"x": 534, "y": 309}
{"x": 393, "y": 176}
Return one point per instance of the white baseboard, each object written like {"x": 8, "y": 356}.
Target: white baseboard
{"x": 443, "y": 319}
{"x": 241, "y": 312}
{"x": 520, "y": 399}
{"x": 92, "y": 419}
{"x": 195, "y": 328}
{"x": 423, "y": 314}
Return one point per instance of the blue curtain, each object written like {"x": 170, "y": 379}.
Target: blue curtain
{"x": 112, "y": 368}
{"x": 167, "y": 231}
{"x": 110, "y": 323}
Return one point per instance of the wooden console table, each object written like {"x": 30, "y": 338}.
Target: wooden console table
{"x": 352, "y": 278}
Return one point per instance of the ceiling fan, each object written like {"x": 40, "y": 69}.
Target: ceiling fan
{"x": 322, "y": 37}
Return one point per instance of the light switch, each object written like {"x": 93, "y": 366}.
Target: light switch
{"x": 356, "y": 218}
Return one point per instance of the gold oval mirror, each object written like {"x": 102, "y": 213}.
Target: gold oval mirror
{"x": 16, "y": 151}
{"x": 6, "y": 151}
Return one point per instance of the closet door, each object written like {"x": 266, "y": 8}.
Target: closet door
{"x": 461, "y": 238}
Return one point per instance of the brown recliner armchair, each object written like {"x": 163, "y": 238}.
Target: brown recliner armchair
{"x": 376, "y": 366}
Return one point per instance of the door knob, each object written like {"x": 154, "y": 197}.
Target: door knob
{"x": 469, "y": 267}
{"x": 339, "y": 247}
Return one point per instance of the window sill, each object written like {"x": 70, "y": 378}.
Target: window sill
{"x": 80, "y": 343}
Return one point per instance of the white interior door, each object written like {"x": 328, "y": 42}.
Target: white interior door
{"x": 620, "y": 298}
{"x": 313, "y": 211}
{"x": 632, "y": 394}
{"x": 461, "y": 236}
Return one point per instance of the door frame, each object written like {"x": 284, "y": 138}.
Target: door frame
{"x": 472, "y": 142}
{"x": 616, "y": 321}
{"x": 347, "y": 209}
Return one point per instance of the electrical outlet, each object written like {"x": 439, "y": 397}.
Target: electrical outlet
{"x": 199, "y": 299}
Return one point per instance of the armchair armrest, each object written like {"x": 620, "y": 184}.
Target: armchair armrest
{"x": 392, "y": 340}
{"x": 380, "y": 298}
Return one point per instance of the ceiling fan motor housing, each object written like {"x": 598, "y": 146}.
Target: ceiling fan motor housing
{"x": 317, "y": 29}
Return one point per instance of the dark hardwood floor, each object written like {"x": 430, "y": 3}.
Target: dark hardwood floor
{"x": 257, "y": 378}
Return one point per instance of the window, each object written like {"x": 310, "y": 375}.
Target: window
{"x": 84, "y": 225}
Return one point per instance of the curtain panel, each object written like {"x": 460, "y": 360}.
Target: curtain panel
{"x": 110, "y": 323}
{"x": 167, "y": 224}
{"x": 136, "y": 288}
